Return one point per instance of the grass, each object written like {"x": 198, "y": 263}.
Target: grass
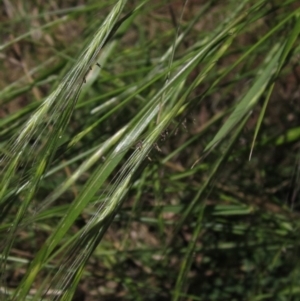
{"x": 149, "y": 150}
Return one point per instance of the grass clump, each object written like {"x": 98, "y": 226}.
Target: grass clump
{"x": 151, "y": 153}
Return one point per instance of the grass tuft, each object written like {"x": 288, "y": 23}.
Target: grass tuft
{"x": 149, "y": 150}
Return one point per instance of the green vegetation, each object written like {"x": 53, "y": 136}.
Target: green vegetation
{"x": 149, "y": 150}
